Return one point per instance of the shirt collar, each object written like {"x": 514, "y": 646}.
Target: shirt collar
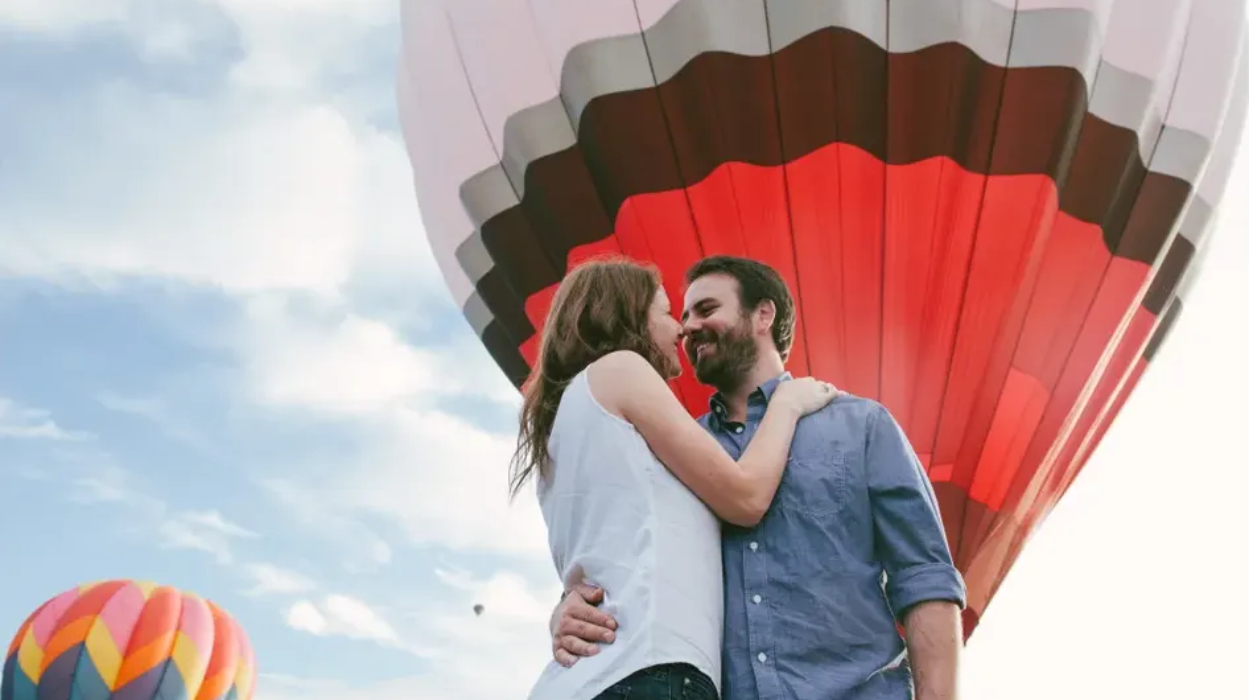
{"x": 756, "y": 403}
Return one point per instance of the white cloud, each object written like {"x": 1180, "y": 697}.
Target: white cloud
{"x": 441, "y": 479}
{"x": 271, "y": 579}
{"x": 380, "y": 552}
{"x": 326, "y": 356}
{"x": 358, "y": 11}
{"x": 205, "y": 531}
{"x": 305, "y": 617}
{"x": 61, "y": 16}
{"x": 269, "y": 29}
{"x": 291, "y": 44}
{"x": 255, "y": 199}
{"x": 26, "y": 423}
{"x": 160, "y": 30}
{"x": 344, "y": 363}
{"x": 239, "y": 189}
{"x": 342, "y": 616}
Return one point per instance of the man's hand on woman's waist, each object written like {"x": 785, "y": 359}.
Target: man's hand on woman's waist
{"x": 577, "y": 625}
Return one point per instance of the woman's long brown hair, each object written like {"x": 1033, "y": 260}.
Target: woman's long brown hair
{"x": 601, "y": 306}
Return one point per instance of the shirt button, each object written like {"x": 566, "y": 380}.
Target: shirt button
{"x": 762, "y": 657}
{"x": 757, "y": 598}
{"x": 738, "y": 429}
{"x": 754, "y": 546}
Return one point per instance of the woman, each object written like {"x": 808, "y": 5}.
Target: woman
{"x": 630, "y": 485}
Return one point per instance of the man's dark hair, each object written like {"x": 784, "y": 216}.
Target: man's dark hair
{"x": 756, "y": 282}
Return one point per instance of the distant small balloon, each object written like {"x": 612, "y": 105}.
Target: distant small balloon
{"x": 478, "y": 608}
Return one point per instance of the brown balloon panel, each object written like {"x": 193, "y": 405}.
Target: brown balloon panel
{"x": 984, "y": 250}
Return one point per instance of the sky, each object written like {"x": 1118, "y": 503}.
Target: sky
{"x": 228, "y": 363}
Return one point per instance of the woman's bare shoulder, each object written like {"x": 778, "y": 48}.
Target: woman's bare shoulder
{"x": 620, "y": 378}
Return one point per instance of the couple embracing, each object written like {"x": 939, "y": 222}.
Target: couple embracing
{"x": 769, "y": 550}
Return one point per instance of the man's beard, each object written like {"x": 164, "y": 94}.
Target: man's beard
{"x": 733, "y": 356}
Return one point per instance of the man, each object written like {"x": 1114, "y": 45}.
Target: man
{"x": 851, "y": 547}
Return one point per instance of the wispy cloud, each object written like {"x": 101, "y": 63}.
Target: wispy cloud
{"x": 152, "y": 409}
{"x": 108, "y": 483}
{"x": 92, "y": 477}
{"x": 147, "y": 407}
{"x": 269, "y": 579}
{"x": 305, "y": 504}
{"x": 88, "y": 475}
{"x": 25, "y": 423}
{"x": 204, "y": 531}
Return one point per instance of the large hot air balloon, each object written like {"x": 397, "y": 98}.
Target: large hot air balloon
{"x": 129, "y": 640}
{"x": 987, "y": 209}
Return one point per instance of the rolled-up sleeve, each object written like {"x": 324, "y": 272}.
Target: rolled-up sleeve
{"x": 910, "y": 539}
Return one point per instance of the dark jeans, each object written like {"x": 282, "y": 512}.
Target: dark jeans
{"x": 663, "y": 682}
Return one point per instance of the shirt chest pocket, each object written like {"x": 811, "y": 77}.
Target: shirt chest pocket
{"x": 815, "y": 484}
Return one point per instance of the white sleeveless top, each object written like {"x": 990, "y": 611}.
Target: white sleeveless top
{"x": 619, "y": 520}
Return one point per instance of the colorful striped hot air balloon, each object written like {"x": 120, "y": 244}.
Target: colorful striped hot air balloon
{"x": 129, "y": 640}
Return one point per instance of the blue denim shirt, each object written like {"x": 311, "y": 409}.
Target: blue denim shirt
{"x": 813, "y": 593}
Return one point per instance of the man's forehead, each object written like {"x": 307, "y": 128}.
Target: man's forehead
{"x": 713, "y": 287}
{"x": 709, "y": 286}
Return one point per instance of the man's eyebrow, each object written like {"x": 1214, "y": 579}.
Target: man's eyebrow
{"x": 698, "y": 304}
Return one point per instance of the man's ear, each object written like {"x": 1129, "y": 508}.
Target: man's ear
{"x": 765, "y": 316}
